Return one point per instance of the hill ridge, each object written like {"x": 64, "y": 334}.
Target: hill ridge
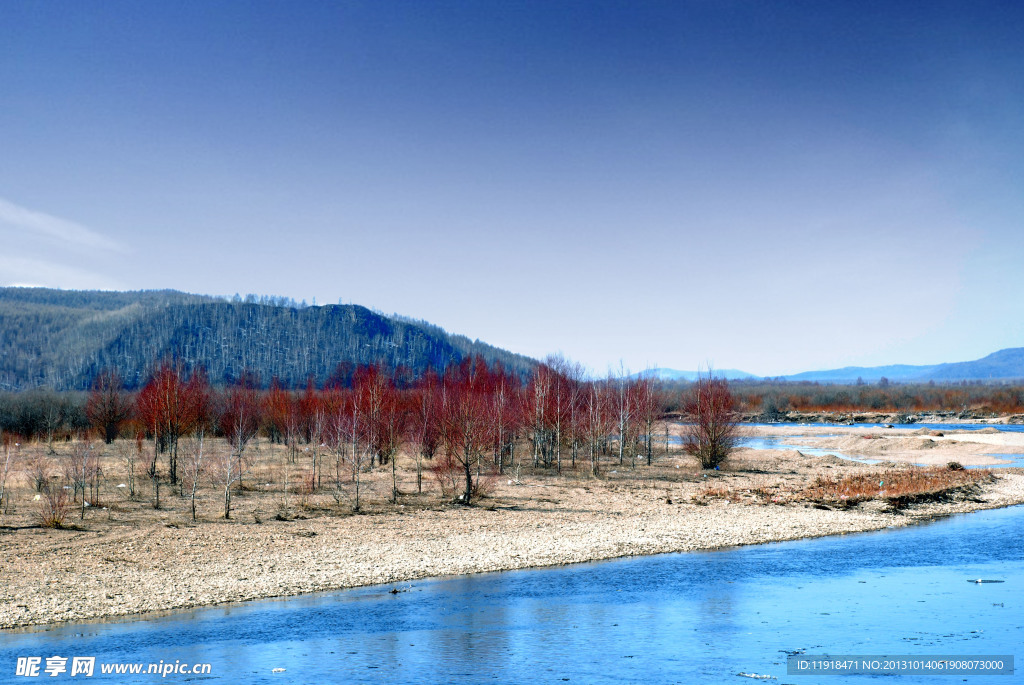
{"x": 62, "y": 339}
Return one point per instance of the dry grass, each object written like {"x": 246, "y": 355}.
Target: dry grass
{"x": 278, "y": 488}
{"x": 275, "y": 488}
{"x": 899, "y": 487}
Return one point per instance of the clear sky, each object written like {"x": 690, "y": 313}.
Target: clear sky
{"x": 770, "y": 186}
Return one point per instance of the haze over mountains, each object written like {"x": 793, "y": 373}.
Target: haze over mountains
{"x": 1003, "y": 365}
{"x": 675, "y": 375}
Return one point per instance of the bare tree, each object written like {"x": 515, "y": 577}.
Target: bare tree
{"x": 10, "y": 457}
{"x": 317, "y": 410}
{"x": 53, "y": 418}
{"x": 81, "y": 465}
{"x": 648, "y": 407}
{"x": 625, "y": 408}
{"x": 356, "y": 429}
{"x": 240, "y": 420}
{"x": 38, "y": 469}
{"x": 504, "y": 412}
{"x": 384, "y": 418}
{"x": 227, "y": 467}
{"x": 108, "y": 406}
{"x": 130, "y": 454}
{"x": 598, "y": 420}
{"x": 336, "y": 434}
{"x": 194, "y": 466}
{"x": 711, "y": 427}
{"x": 537, "y": 395}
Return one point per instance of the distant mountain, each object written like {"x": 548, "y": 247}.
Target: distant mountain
{"x": 676, "y": 375}
{"x": 62, "y": 339}
{"x": 1003, "y": 365}
{"x": 868, "y": 374}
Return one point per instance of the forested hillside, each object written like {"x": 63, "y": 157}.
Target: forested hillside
{"x": 62, "y": 339}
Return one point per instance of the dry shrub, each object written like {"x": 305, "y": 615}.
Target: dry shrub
{"x": 770, "y": 495}
{"x": 307, "y": 484}
{"x": 711, "y": 492}
{"x": 54, "y": 506}
{"x": 485, "y": 483}
{"x": 38, "y": 469}
{"x": 895, "y": 486}
{"x": 450, "y": 474}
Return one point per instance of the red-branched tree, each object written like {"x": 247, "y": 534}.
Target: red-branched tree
{"x": 108, "y": 406}
{"x": 385, "y": 417}
{"x": 464, "y": 422}
{"x": 425, "y": 408}
{"x": 162, "y": 409}
{"x": 241, "y": 414}
{"x": 277, "y": 405}
{"x": 711, "y": 426}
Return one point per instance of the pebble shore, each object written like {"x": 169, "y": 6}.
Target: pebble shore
{"x": 119, "y": 570}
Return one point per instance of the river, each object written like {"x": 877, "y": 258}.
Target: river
{"x": 678, "y": 618}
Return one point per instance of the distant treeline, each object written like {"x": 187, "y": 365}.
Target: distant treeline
{"x": 64, "y": 339}
{"x": 774, "y": 397}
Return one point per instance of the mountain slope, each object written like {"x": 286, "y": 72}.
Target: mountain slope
{"x": 62, "y": 339}
{"x": 1001, "y": 365}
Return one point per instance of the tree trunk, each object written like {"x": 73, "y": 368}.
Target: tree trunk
{"x": 558, "y": 447}
{"x": 394, "y": 481}
{"x": 356, "y": 472}
{"x": 419, "y": 472}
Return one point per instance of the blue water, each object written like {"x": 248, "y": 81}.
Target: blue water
{"x": 1016, "y": 460}
{"x": 1005, "y": 427}
{"x": 679, "y": 618}
{"x": 778, "y": 443}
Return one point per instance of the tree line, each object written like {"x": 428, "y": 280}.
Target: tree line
{"x": 466, "y": 423}
{"x": 773, "y": 398}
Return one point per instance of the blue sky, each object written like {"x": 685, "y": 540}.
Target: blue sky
{"x": 771, "y": 186}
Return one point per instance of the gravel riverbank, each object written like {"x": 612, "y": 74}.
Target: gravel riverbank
{"x": 120, "y": 567}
